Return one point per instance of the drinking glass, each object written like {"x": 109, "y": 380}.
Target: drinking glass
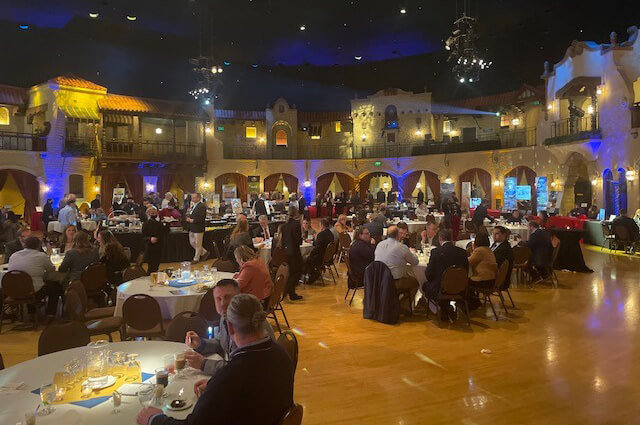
{"x": 145, "y": 394}
{"x": 167, "y": 360}
{"x": 117, "y": 364}
{"x": 133, "y": 367}
{"x": 214, "y": 274}
{"x": 86, "y": 389}
{"x": 179, "y": 362}
{"x": 116, "y": 399}
{"x": 47, "y": 396}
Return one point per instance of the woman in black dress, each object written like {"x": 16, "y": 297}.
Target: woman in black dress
{"x": 152, "y": 230}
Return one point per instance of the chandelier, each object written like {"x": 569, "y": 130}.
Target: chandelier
{"x": 465, "y": 55}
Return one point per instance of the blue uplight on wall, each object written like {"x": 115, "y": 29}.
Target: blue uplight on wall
{"x": 24, "y": 27}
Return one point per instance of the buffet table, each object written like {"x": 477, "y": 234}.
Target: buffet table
{"x": 570, "y": 254}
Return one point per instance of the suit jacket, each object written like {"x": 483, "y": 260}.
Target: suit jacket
{"x": 260, "y": 207}
{"x": 442, "y": 258}
{"x": 361, "y": 254}
{"x": 324, "y": 238}
{"x": 255, "y": 387}
{"x": 302, "y": 204}
{"x": 479, "y": 215}
{"x": 503, "y": 252}
{"x": 292, "y": 239}
{"x": 258, "y": 232}
{"x": 380, "y": 196}
{"x": 420, "y": 197}
{"x": 541, "y": 248}
{"x": 199, "y": 215}
{"x": 380, "y": 296}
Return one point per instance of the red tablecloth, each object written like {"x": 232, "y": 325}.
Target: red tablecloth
{"x": 564, "y": 222}
{"x": 491, "y": 213}
{"x": 36, "y": 221}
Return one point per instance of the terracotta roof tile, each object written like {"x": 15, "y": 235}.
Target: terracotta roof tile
{"x": 140, "y": 105}
{"x": 72, "y": 81}
{"x": 502, "y": 99}
{"x": 10, "y": 95}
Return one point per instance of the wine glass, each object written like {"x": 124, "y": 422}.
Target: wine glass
{"x": 47, "y": 395}
{"x": 145, "y": 394}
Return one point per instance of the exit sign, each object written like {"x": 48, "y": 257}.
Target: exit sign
{"x": 377, "y": 163}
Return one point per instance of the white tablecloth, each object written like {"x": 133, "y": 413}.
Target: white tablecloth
{"x": 40, "y": 371}
{"x": 264, "y": 250}
{"x": 88, "y": 225}
{"x": 170, "y": 304}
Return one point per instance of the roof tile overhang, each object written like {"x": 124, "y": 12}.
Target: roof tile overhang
{"x": 152, "y": 107}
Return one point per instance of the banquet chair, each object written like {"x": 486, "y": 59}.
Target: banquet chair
{"x": 328, "y": 260}
{"x": 278, "y": 257}
{"x": 352, "y": 284}
{"x": 215, "y": 250}
{"x": 141, "y": 317}
{"x": 521, "y": 257}
{"x": 62, "y": 335}
{"x": 75, "y": 310}
{"x": 289, "y": 342}
{"x": 496, "y": 289}
{"x": 226, "y": 266}
{"x": 609, "y": 238}
{"x": 622, "y": 239}
{"x": 17, "y": 291}
{"x": 95, "y": 281}
{"x": 275, "y": 301}
{"x": 550, "y": 272}
{"x": 183, "y": 322}
{"x": 208, "y": 308}
{"x": 293, "y": 416}
{"x": 132, "y": 272}
{"x": 345, "y": 242}
{"x": 284, "y": 271}
{"x": 453, "y": 287}
{"x": 94, "y": 313}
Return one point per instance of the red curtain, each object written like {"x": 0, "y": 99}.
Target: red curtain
{"x": 346, "y": 181}
{"x": 434, "y": 183}
{"x": 323, "y": 182}
{"x": 364, "y": 185}
{"x": 291, "y": 182}
{"x": 530, "y": 178}
{"x": 483, "y": 177}
{"x": 270, "y": 182}
{"x": 410, "y": 182}
{"x": 29, "y": 189}
{"x": 186, "y": 182}
{"x": 135, "y": 184}
{"x": 242, "y": 185}
{"x": 164, "y": 183}
{"x": 107, "y": 184}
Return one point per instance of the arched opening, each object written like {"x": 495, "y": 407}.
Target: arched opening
{"x": 428, "y": 181}
{"x": 335, "y": 182}
{"x": 577, "y": 170}
{"x": 21, "y": 191}
{"x": 608, "y": 189}
{"x": 480, "y": 184}
{"x": 525, "y": 176}
{"x": 391, "y": 117}
{"x": 583, "y": 192}
{"x": 281, "y": 182}
{"x": 281, "y": 138}
{"x": 4, "y": 116}
{"x": 379, "y": 181}
{"x": 232, "y": 185}
{"x": 621, "y": 191}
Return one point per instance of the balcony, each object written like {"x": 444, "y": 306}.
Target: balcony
{"x": 77, "y": 146}
{"x": 635, "y": 115}
{"x": 22, "y": 142}
{"x": 574, "y": 130}
{"x": 152, "y": 151}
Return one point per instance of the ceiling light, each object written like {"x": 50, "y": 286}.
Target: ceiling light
{"x": 462, "y": 80}
{"x": 307, "y": 183}
{"x": 158, "y": 130}
{"x": 303, "y": 27}
{"x": 364, "y": 137}
{"x": 403, "y": 11}
{"x": 358, "y": 58}
{"x": 207, "y": 102}
{"x": 214, "y": 70}
{"x": 448, "y": 180}
{"x": 496, "y": 182}
{"x": 132, "y": 17}
{"x": 93, "y": 15}
{"x": 471, "y": 80}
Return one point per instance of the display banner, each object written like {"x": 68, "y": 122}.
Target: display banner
{"x": 510, "y": 184}
{"x": 542, "y": 193}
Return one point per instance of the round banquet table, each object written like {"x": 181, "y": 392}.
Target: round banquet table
{"x": 170, "y": 303}
{"x": 88, "y": 225}
{"x": 33, "y": 373}
{"x": 570, "y": 253}
{"x": 264, "y": 250}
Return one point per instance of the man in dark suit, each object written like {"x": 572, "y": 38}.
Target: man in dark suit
{"x": 262, "y": 230}
{"x": 196, "y": 217}
{"x": 361, "y": 254}
{"x": 354, "y": 199}
{"x": 391, "y": 197}
{"x": 502, "y": 249}
{"x": 420, "y": 196}
{"x": 541, "y": 251}
{"x": 375, "y": 227}
{"x": 479, "y": 215}
{"x": 291, "y": 241}
{"x": 95, "y": 204}
{"x": 302, "y": 205}
{"x": 441, "y": 258}
{"x": 380, "y": 196}
{"x": 260, "y": 207}
{"x": 314, "y": 262}
{"x": 16, "y": 245}
{"x": 429, "y": 236}
{"x": 370, "y": 199}
{"x": 629, "y": 224}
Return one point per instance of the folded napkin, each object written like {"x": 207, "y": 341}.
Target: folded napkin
{"x": 11, "y": 387}
{"x": 176, "y": 284}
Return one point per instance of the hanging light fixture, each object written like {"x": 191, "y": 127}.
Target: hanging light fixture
{"x": 465, "y": 54}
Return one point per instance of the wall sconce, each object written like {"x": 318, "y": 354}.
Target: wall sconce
{"x": 590, "y": 110}
{"x": 599, "y": 90}
{"x": 553, "y": 184}
{"x": 385, "y": 185}
{"x": 307, "y": 183}
{"x": 515, "y": 122}
{"x": 418, "y": 133}
{"x": 208, "y": 130}
{"x": 454, "y": 133}
{"x": 206, "y": 185}
{"x": 496, "y": 182}
{"x": 96, "y": 188}
{"x": 549, "y": 106}
{"x": 46, "y": 188}
{"x": 630, "y": 175}
{"x": 158, "y": 130}
{"x": 594, "y": 181}
{"x": 364, "y": 137}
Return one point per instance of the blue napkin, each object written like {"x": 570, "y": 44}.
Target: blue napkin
{"x": 176, "y": 284}
{"x": 92, "y": 402}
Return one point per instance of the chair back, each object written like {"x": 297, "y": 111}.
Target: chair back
{"x": 62, "y": 335}
{"x": 521, "y": 255}
{"x": 620, "y": 231}
{"x": 329, "y": 252}
{"x": 94, "y": 277}
{"x": 133, "y": 272}
{"x": 278, "y": 256}
{"x": 74, "y": 309}
{"x": 605, "y": 230}
{"x": 501, "y": 278}
{"x": 208, "y": 307}
{"x": 351, "y": 281}
{"x": 278, "y": 292}
{"x": 345, "y": 240}
{"x": 454, "y": 281}
{"x": 141, "y": 312}
{"x": 77, "y": 286}
{"x": 226, "y": 266}
{"x": 1, "y": 362}
{"x": 184, "y": 322}
{"x": 17, "y": 285}
{"x": 284, "y": 271}
{"x": 293, "y": 416}
{"x": 215, "y": 250}
{"x": 289, "y": 342}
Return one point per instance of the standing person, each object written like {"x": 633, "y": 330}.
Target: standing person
{"x": 95, "y": 204}
{"x": 380, "y": 196}
{"x": 329, "y": 202}
{"x": 291, "y": 240}
{"x": 152, "y": 230}
{"x": 196, "y": 216}
{"x": 47, "y": 214}
{"x": 302, "y": 205}
{"x": 62, "y": 202}
{"x": 370, "y": 199}
{"x": 479, "y": 215}
{"x": 420, "y": 196}
{"x": 260, "y": 206}
{"x": 319, "y": 202}
{"x": 68, "y": 215}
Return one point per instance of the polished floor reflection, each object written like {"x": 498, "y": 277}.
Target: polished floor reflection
{"x": 562, "y": 356}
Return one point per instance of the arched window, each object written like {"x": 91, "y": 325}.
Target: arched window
{"x": 281, "y": 138}
{"x": 391, "y": 117}
{"x": 4, "y": 116}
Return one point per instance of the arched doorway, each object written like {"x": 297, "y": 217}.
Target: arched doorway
{"x": 429, "y": 184}
{"x": 480, "y": 181}
{"x": 281, "y": 181}
{"x": 229, "y": 180}
{"x": 335, "y": 182}
{"x": 577, "y": 170}
{"x": 609, "y": 192}
{"x": 583, "y": 192}
{"x": 525, "y": 176}
{"x": 20, "y": 190}
{"x": 378, "y": 181}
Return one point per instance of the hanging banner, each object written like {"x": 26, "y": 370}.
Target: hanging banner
{"x": 542, "y": 193}
{"x": 510, "y": 184}
{"x": 254, "y": 184}
{"x": 229, "y": 191}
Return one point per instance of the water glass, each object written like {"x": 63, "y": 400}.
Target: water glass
{"x": 145, "y": 394}
{"x": 117, "y": 364}
{"x": 30, "y": 418}
{"x": 47, "y": 396}
{"x": 133, "y": 367}
{"x": 116, "y": 399}
{"x": 86, "y": 389}
{"x": 214, "y": 274}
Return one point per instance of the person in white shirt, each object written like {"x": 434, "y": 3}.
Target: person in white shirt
{"x": 396, "y": 255}
{"x": 69, "y": 214}
{"x": 36, "y": 263}
{"x": 165, "y": 202}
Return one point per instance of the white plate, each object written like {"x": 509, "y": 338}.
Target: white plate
{"x": 188, "y": 404}
{"x": 110, "y": 381}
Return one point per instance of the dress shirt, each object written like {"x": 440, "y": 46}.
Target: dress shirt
{"x": 35, "y": 263}
{"x": 395, "y": 255}
{"x": 67, "y": 216}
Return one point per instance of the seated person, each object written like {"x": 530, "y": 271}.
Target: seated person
{"x": 541, "y": 251}
{"x": 16, "y": 245}
{"x": 222, "y": 345}
{"x": 376, "y": 229}
{"x": 239, "y": 236}
{"x": 422, "y": 211}
{"x": 308, "y": 232}
{"x": 361, "y": 254}
{"x": 79, "y": 257}
{"x": 36, "y": 263}
{"x": 98, "y": 215}
{"x": 629, "y": 224}
{"x": 66, "y": 241}
{"x": 502, "y": 249}
{"x": 593, "y": 212}
{"x": 396, "y": 255}
{"x": 262, "y": 231}
{"x": 341, "y": 225}
{"x": 441, "y": 258}
{"x": 170, "y": 212}
{"x": 10, "y": 228}
{"x": 314, "y": 262}
{"x": 131, "y": 208}
{"x": 429, "y": 236}
{"x": 112, "y": 255}
{"x": 381, "y": 217}
{"x": 516, "y": 217}
{"x": 483, "y": 263}
{"x": 254, "y": 277}
{"x": 577, "y": 211}
{"x": 259, "y": 374}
